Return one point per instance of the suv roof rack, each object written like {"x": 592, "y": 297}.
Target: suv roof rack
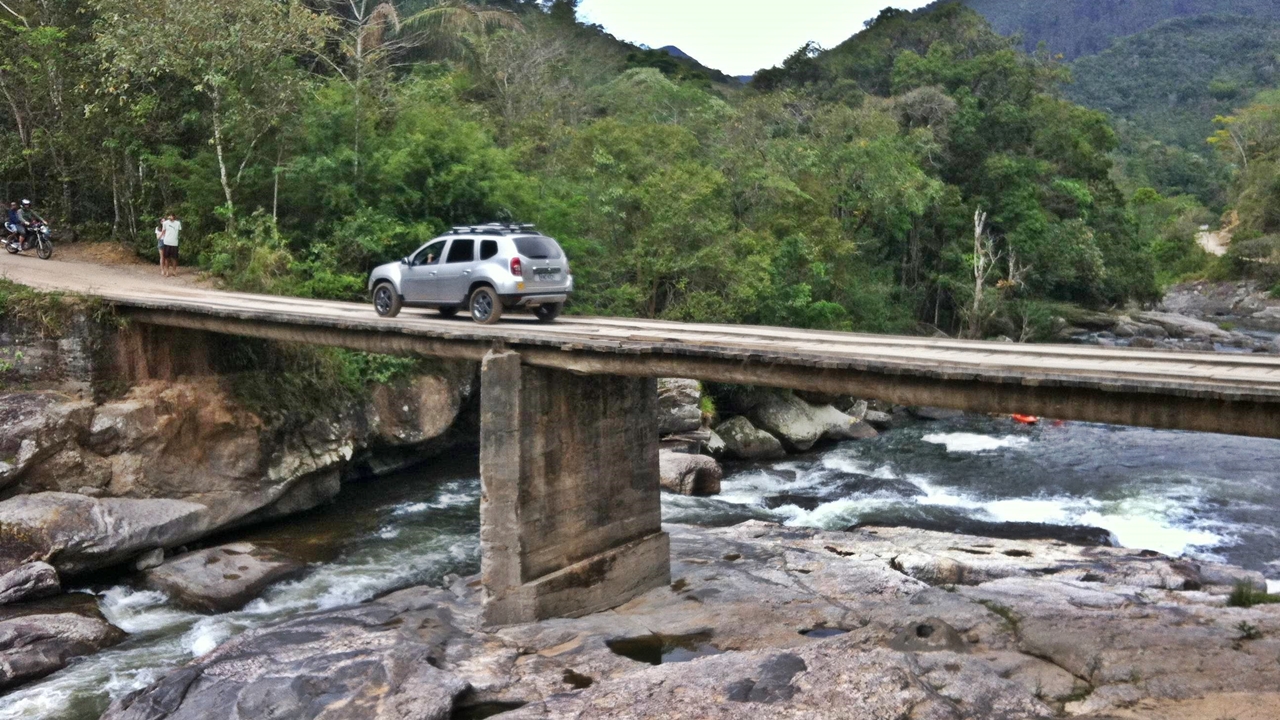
{"x": 493, "y": 229}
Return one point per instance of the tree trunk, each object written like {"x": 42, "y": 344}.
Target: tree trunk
{"x": 275, "y": 187}
{"x": 222, "y": 164}
{"x": 115, "y": 203}
{"x": 979, "y": 273}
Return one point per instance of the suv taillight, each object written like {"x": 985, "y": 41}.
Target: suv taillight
{"x": 517, "y": 268}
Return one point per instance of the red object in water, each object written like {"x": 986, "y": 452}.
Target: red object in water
{"x": 1026, "y": 419}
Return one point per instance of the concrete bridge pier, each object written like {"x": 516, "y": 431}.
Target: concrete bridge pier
{"x": 570, "y": 514}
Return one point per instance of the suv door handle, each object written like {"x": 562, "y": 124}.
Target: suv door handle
{"x": 433, "y": 273}
{"x": 466, "y": 272}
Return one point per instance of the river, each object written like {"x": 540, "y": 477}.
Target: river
{"x": 1208, "y": 496}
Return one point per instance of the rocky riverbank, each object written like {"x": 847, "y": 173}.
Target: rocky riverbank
{"x": 764, "y": 621}
{"x": 758, "y": 425}
{"x": 120, "y": 448}
{"x": 1201, "y": 316}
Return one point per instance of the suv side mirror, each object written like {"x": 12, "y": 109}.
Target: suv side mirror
{"x": 404, "y": 261}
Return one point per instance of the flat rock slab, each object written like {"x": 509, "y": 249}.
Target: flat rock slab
{"x": 361, "y": 663}
{"x": 783, "y": 622}
{"x": 223, "y": 578}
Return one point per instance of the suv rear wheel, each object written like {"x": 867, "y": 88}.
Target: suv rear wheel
{"x": 486, "y": 306}
{"x": 548, "y": 312}
{"x": 386, "y": 301}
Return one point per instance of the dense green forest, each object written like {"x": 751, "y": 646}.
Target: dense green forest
{"x": 927, "y": 174}
{"x": 1165, "y": 86}
{"x": 1075, "y": 28}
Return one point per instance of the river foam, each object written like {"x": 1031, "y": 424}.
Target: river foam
{"x": 975, "y": 443}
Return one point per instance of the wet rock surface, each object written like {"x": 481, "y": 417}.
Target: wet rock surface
{"x": 223, "y": 578}
{"x": 38, "y": 640}
{"x": 963, "y": 525}
{"x": 363, "y": 663}
{"x": 1031, "y": 629}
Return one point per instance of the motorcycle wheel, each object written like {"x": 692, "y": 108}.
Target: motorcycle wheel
{"x": 44, "y": 249}
{"x": 11, "y": 245}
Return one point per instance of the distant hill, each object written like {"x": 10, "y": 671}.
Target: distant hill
{"x": 688, "y": 61}
{"x": 676, "y": 52}
{"x": 1173, "y": 79}
{"x": 1076, "y": 28}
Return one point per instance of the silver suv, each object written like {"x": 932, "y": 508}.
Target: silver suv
{"x": 486, "y": 269}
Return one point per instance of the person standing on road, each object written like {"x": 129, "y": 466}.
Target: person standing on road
{"x": 169, "y": 257}
{"x": 160, "y": 243}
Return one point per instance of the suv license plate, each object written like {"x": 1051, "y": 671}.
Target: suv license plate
{"x": 547, "y": 271}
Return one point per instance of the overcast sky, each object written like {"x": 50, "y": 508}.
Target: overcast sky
{"x": 736, "y": 36}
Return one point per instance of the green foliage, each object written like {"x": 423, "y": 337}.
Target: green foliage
{"x": 303, "y": 144}
{"x": 45, "y": 315}
{"x": 1248, "y": 631}
{"x": 1174, "y": 79}
{"x": 1168, "y": 228}
{"x": 295, "y": 384}
{"x": 1011, "y": 619}
{"x": 1246, "y": 595}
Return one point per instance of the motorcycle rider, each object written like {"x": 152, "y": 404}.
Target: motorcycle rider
{"x": 27, "y": 222}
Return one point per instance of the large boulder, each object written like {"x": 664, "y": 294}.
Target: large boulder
{"x": 837, "y": 425}
{"x": 223, "y": 578}
{"x": 679, "y": 408}
{"x": 172, "y": 461}
{"x": 686, "y": 474}
{"x": 788, "y": 418}
{"x": 360, "y": 663}
{"x": 35, "y": 645}
{"x": 28, "y": 582}
{"x": 800, "y": 425}
{"x": 75, "y": 533}
{"x": 743, "y": 441}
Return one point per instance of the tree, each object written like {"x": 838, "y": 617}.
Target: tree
{"x": 234, "y": 52}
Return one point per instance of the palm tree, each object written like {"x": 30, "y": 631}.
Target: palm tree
{"x": 374, "y": 32}
{"x": 448, "y": 23}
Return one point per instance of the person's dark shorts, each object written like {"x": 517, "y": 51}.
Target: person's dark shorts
{"x": 169, "y": 252}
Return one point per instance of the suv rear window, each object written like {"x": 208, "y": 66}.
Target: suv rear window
{"x": 538, "y": 248}
{"x": 462, "y": 251}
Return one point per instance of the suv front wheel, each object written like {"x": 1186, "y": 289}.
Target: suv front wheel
{"x": 486, "y": 306}
{"x": 386, "y": 301}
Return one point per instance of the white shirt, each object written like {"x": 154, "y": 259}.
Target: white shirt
{"x": 171, "y": 230}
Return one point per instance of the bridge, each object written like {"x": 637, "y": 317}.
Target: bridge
{"x": 570, "y": 510}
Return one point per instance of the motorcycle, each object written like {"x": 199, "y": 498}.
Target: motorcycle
{"x": 43, "y": 242}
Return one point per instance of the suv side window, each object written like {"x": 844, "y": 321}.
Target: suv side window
{"x": 430, "y": 255}
{"x": 462, "y": 251}
{"x": 488, "y": 248}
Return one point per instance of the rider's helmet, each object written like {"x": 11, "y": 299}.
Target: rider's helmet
{"x": 26, "y": 203}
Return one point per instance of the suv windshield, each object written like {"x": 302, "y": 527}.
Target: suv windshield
{"x": 538, "y": 248}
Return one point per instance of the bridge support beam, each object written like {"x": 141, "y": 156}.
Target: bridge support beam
{"x": 570, "y": 515}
